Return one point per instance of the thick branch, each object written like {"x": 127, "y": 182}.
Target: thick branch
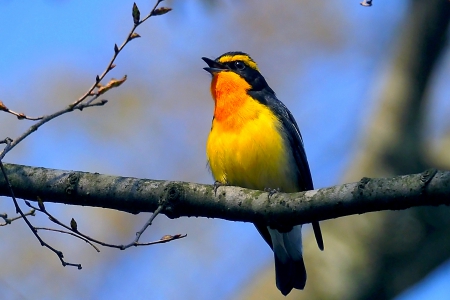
{"x": 231, "y": 203}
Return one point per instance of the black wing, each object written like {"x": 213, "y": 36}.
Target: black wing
{"x": 267, "y": 97}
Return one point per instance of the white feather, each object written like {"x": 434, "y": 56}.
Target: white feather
{"x": 287, "y": 246}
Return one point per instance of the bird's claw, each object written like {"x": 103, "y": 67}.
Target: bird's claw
{"x": 271, "y": 192}
{"x": 217, "y": 184}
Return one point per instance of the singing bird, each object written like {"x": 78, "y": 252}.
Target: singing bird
{"x": 255, "y": 143}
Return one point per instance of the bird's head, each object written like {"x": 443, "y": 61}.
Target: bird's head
{"x": 237, "y": 69}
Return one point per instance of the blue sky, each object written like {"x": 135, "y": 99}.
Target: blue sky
{"x": 51, "y": 52}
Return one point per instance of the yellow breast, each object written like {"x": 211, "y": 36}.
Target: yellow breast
{"x": 247, "y": 148}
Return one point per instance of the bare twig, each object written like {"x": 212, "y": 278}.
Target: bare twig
{"x": 70, "y": 233}
{"x": 8, "y": 221}
{"x": 6, "y": 141}
{"x": 90, "y": 92}
{"x": 164, "y": 239}
{"x": 10, "y": 144}
{"x": 117, "y": 50}
{"x": 19, "y": 116}
{"x": 104, "y": 88}
{"x": 90, "y": 104}
{"x": 19, "y": 211}
{"x": 73, "y": 228}
{"x": 5, "y": 218}
{"x": 140, "y": 232}
{"x": 149, "y": 222}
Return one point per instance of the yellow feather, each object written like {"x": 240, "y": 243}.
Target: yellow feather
{"x": 245, "y": 58}
{"x": 246, "y": 146}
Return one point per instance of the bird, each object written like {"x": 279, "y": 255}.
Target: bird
{"x": 255, "y": 143}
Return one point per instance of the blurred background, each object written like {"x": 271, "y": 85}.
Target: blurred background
{"x": 367, "y": 86}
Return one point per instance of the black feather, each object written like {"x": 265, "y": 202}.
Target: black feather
{"x": 267, "y": 97}
{"x": 290, "y": 275}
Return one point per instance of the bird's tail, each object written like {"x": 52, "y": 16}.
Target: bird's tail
{"x": 289, "y": 266}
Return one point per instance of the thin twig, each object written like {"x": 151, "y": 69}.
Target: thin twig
{"x": 68, "y": 232}
{"x": 19, "y": 116}
{"x": 34, "y": 127}
{"x": 90, "y": 104}
{"x": 149, "y": 222}
{"x": 10, "y": 144}
{"x": 8, "y": 221}
{"x": 89, "y": 92}
{"x": 117, "y": 50}
{"x": 22, "y": 116}
{"x": 90, "y": 100}
{"x": 6, "y": 141}
{"x": 19, "y": 211}
{"x": 164, "y": 239}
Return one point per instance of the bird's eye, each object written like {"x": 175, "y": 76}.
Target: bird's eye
{"x": 239, "y": 65}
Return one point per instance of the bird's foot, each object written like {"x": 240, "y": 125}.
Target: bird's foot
{"x": 218, "y": 184}
{"x": 271, "y": 191}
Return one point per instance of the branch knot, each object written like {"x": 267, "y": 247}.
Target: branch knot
{"x": 73, "y": 180}
{"x": 426, "y": 178}
{"x": 173, "y": 194}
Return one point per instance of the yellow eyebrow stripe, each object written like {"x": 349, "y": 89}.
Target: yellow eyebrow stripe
{"x": 245, "y": 58}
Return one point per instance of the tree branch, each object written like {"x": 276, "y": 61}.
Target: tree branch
{"x": 430, "y": 188}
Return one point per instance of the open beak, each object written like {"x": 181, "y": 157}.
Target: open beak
{"x": 214, "y": 66}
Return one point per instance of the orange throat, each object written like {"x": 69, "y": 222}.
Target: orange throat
{"x": 229, "y": 92}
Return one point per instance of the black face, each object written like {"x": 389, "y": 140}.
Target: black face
{"x": 252, "y": 76}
